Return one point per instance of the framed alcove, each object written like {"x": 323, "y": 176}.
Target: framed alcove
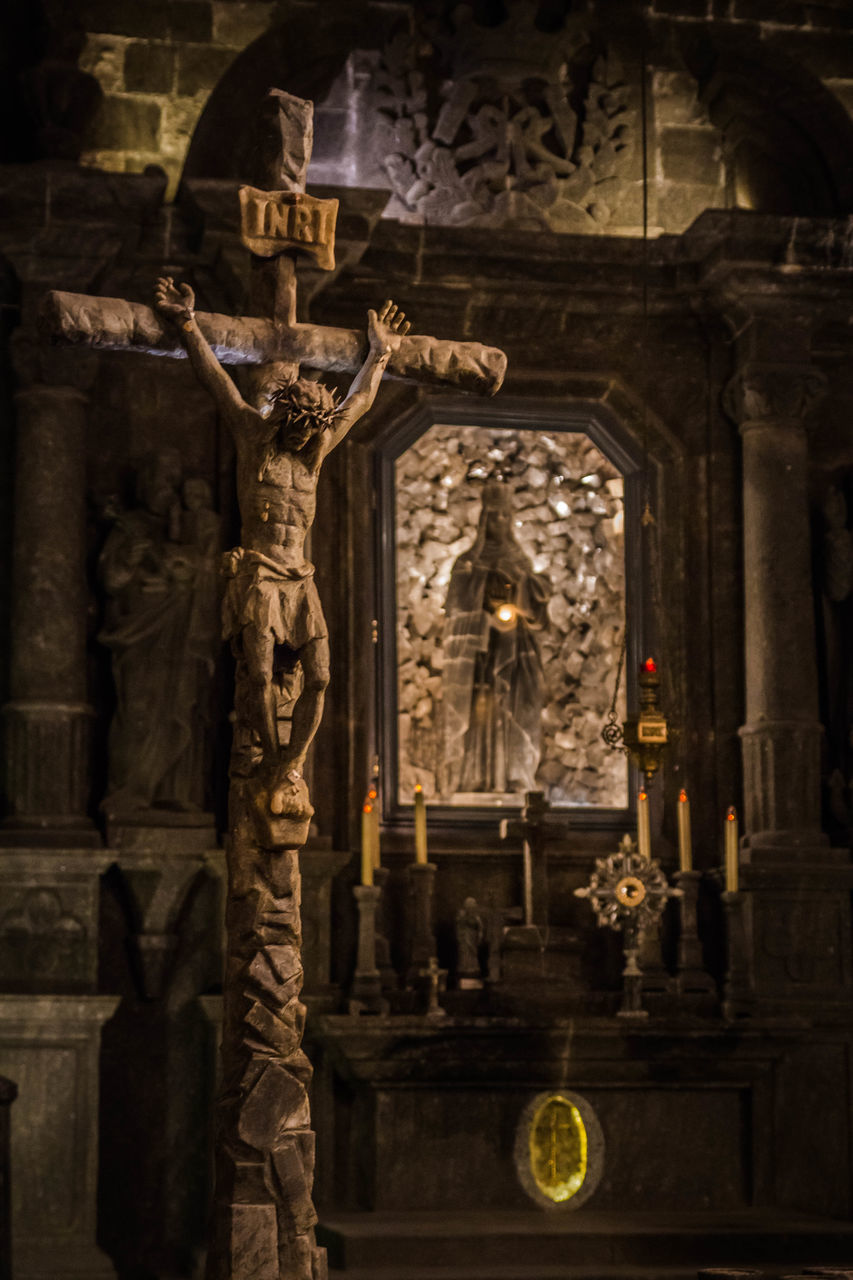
{"x": 530, "y": 513}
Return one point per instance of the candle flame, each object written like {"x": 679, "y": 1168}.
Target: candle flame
{"x": 642, "y": 796}
{"x": 371, "y": 795}
{"x": 682, "y": 796}
{"x": 731, "y": 816}
{"x": 418, "y": 787}
{"x": 368, "y": 808}
{"x": 506, "y": 613}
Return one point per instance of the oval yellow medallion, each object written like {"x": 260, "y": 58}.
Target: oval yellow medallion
{"x": 558, "y": 1148}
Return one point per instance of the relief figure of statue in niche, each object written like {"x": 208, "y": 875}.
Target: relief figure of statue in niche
{"x": 158, "y": 569}
{"x": 494, "y": 684}
{"x": 272, "y": 613}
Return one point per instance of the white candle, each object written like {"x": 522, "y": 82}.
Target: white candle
{"x": 644, "y": 835}
{"x": 420, "y": 825}
{"x": 367, "y": 843}
{"x": 685, "y": 846}
{"x": 732, "y": 867}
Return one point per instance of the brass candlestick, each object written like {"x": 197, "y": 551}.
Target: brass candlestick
{"x": 738, "y": 993}
{"x": 366, "y": 995}
{"x": 421, "y": 937}
{"x": 691, "y": 980}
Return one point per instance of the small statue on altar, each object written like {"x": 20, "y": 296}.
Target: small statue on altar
{"x": 272, "y": 612}
{"x": 160, "y": 627}
{"x": 470, "y": 933}
{"x": 494, "y": 684}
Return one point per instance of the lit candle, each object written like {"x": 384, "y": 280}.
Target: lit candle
{"x": 367, "y": 843}
{"x": 420, "y": 825}
{"x": 644, "y": 835}
{"x": 685, "y": 847}
{"x": 731, "y": 850}
{"x": 373, "y": 800}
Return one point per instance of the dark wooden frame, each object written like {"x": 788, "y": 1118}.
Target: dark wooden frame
{"x": 610, "y": 435}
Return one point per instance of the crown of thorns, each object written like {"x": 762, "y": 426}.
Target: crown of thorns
{"x": 314, "y": 413}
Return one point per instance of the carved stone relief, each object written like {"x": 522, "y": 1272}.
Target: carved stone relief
{"x": 503, "y": 125}
{"x": 41, "y": 943}
{"x": 763, "y": 392}
{"x": 159, "y": 570}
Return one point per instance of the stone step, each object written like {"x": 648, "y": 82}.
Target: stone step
{"x": 518, "y": 1273}
{"x": 587, "y": 1245}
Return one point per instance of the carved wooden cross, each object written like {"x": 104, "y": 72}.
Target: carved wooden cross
{"x": 264, "y": 1218}
{"x": 535, "y": 830}
{"x": 277, "y": 224}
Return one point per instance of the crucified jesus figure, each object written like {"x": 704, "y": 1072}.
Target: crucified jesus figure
{"x": 271, "y": 603}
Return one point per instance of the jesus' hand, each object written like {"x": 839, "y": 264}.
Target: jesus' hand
{"x": 174, "y": 302}
{"x": 387, "y": 329}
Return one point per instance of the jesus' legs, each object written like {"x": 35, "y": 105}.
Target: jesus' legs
{"x": 258, "y": 649}
{"x": 308, "y": 711}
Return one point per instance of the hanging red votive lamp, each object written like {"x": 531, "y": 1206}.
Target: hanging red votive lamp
{"x": 646, "y": 735}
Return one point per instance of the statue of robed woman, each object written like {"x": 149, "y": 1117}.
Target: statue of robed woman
{"x": 494, "y": 683}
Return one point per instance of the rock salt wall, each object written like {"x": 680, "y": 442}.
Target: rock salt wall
{"x": 569, "y": 508}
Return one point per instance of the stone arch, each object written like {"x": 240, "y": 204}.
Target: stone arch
{"x": 305, "y": 54}
{"x": 787, "y": 139}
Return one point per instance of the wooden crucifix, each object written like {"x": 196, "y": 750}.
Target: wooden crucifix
{"x": 263, "y": 1226}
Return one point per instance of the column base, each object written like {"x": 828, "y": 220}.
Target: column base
{"x": 797, "y": 926}
{"x": 781, "y": 779}
{"x": 47, "y": 771}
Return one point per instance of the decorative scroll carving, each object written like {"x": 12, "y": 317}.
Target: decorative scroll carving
{"x": 531, "y": 127}
{"x": 40, "y": 940}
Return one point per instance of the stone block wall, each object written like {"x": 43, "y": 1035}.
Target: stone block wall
{"x": 157, "y": 64}
{"x": 687, "y": 169}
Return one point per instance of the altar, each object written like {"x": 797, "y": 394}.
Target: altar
{"x": 495, "y": 878}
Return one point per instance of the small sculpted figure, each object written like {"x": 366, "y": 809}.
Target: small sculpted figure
{"x": 272, "y": 612}
{"x": 493, "y": 678}
{"x": 150, "y": 577}
{"x": 470, "y": 933}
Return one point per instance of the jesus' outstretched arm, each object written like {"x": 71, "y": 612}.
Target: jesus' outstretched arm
{"x": 177, "y": 304}
{"x": 384, "y": 331}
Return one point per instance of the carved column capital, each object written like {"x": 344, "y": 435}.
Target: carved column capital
{"x": 784, "y": 395}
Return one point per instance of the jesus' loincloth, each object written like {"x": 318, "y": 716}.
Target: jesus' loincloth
{"x": 263, "y": 594}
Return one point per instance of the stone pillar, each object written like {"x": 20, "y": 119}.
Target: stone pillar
{"x": 47, "y": 719}
{"x": 781, "y": 737}
{"x": 795, "y": 890}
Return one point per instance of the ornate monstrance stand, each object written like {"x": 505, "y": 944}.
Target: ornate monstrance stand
{"x": 628, "y": 892}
